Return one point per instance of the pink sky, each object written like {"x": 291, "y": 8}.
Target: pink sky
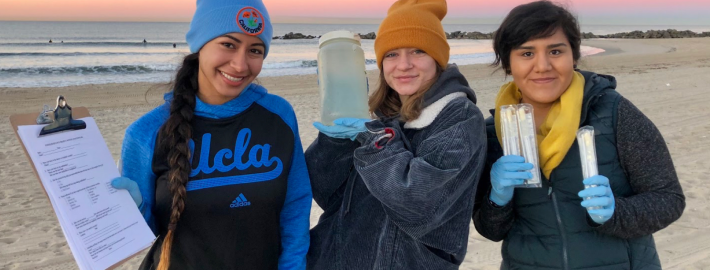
{"x": 181, "y": 10}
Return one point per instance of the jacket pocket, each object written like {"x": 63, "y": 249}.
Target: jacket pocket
{"x": 414, "y": 255}
{"x": 449, "y": 258}
{"x": 643, "y": 254}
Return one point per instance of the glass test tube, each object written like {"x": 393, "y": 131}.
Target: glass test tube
{"x": 528, "y": 140}
{"x": 509, "y": 128}
{"x": 587, "y": 155}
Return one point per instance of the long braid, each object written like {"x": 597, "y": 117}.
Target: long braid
{"x": 174, "y": 137}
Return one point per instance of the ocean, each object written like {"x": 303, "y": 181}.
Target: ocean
{"x": 114, "y": 52}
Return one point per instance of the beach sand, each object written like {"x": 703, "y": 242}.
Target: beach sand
{"x": 664, "y": 78}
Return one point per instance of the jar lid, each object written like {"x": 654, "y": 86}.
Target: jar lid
{"x": 338, "y": 34}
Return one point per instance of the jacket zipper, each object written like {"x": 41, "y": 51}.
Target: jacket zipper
{"x": 561, "y": 227}
{"x": 350, "y": 187}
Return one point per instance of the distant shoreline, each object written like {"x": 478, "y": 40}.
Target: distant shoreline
{"x": 475, "y": 35}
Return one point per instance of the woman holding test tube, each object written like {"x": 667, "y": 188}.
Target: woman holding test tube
{"x": 563, "y": 225}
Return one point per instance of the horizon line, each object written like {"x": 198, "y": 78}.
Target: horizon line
{"x": 278, "y": 19}
{"x": 590, "y": 20}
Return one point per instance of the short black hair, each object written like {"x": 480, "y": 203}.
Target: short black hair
{"x": 539, "y": 19}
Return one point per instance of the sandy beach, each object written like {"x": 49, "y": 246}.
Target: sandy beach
{"x": 664, "y": 78}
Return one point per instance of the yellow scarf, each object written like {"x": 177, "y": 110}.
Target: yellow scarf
{"x": 559, "y": 130}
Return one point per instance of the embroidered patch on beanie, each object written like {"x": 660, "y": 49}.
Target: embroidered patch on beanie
{"x": 251, "y": 21}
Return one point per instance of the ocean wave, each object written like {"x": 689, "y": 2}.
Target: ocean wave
{"x": 291, "y": 64}
{"x": 303, "y": 64}
{"x": 119, "y": 69}
{"x": 471, "y": 56}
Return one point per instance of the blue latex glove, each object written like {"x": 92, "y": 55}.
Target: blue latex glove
{"x": 601, "y": 205}
{"x": 506, "y": 173}
{"x": 343, "y": 128}
{"x": 129, "y": 185}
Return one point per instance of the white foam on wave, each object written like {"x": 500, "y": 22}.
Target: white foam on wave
{"x": 163, "y": 72}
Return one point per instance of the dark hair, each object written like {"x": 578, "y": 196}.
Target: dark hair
{"x": 539, "y": 19}
{"x": 173, "y": 137}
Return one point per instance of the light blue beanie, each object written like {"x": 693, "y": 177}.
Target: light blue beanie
{"x": 214, "y": 18}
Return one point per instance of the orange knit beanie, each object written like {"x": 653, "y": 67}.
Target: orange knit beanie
{"x": 414, "y": 24}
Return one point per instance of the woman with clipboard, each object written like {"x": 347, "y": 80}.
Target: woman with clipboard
{"x": 218, "y": 170}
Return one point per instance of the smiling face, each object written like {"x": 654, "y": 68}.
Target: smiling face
{"x": 408, "y": 70}
{"x": 228, "y": 64}
{"x": 543, "y": 68}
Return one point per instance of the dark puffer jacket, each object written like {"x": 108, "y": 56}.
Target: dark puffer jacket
{"x": 546, "y": 228}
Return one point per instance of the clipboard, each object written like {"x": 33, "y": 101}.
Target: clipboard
{"x": 17, "y": 120}
{"x": 57, "y": 125}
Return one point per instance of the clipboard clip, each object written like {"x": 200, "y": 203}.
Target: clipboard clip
{"x": 43, "y": 117}
{"x": 62, "y": 119}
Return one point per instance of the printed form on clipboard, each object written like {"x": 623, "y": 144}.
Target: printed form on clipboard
{"x": 102, "y": 225}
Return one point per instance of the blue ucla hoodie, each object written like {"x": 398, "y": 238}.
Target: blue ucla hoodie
{"x": 248, "y": 196}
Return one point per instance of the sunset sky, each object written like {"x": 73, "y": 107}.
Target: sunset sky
{"x": 591, "y": 11}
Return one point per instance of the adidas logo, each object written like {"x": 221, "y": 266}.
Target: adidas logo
{"x": 240, "y": 201}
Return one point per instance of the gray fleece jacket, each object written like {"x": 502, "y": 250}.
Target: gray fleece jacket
{"x": 403, "y": 202}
